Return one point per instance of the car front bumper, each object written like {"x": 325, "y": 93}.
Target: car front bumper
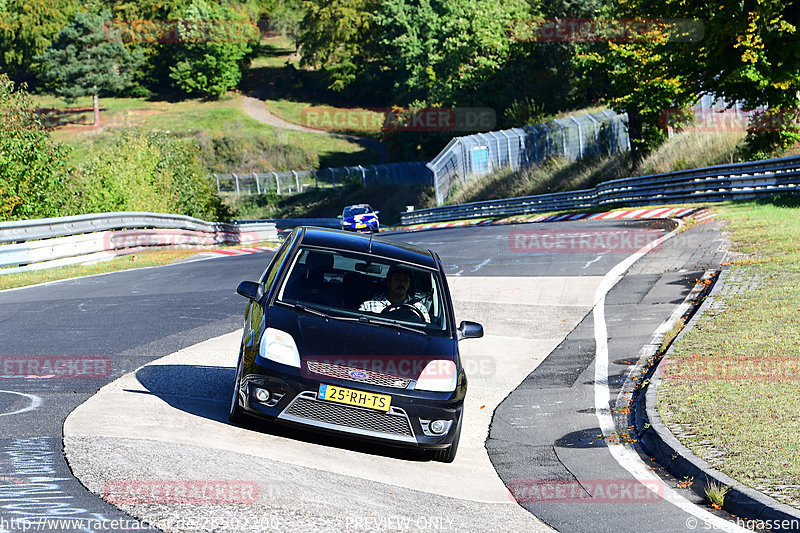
{"x": 294, "y": 401}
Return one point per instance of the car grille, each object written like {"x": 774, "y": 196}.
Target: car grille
{"x": 307, "y": 408}
{"x": 380, "y": 379}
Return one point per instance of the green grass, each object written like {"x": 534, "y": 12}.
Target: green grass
{"x": 197, "y": 118}
{"x": 138, "y": 260}
{"x": 694, "y": 150}
{"x": 555, "y": 175}
{"x": 146, "y": 258}
{"x": 290, "y": 91}
{"x": 731, "y": 384}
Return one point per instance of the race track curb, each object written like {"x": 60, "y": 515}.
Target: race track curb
{"x": 698, "y": 214}
{"x": 741, "y": 501}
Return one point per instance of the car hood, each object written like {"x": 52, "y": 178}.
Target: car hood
{"x": 354, "y": 344}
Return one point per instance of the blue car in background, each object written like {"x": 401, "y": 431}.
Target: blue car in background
{"x": 359, "y": 217}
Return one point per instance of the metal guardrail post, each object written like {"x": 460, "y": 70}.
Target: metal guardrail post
{"x": 613, "y": 133}
{"x": 296, "y": 180}
{"x": 217, "y": 178}
{"x": 333, "y": 177}
{"x": 508, "y": 147}
{"x": 580, "y": 137}
{"x": 596, "y": 133}
{"x": 363, "y": 176}
{"x": 277, "y": 183}
{"x": 258, "y": 186}
{"x": 563, "y": 134}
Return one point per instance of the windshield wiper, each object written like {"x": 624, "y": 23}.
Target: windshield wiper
{"x": 307, "y": 309}
{"x": 317, "y": 312}
{"x": 391, "y": 323}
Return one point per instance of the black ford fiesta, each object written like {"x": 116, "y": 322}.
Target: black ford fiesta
{"x": 354, "y": 335}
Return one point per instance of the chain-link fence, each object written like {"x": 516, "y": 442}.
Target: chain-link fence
{"x": 574, "y": 137}
{"x": 294, "y": 181}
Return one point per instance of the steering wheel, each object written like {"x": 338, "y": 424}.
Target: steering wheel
{"x": 392, "y": 308}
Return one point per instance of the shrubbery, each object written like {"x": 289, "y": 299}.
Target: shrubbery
{"x": 144, "y": 172}
{"x": 140, "y": 172}
{"x": 32, "y": 167}
{"x": 235, "y": 152}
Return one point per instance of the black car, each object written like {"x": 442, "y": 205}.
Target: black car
{"x": 355, "y": 335}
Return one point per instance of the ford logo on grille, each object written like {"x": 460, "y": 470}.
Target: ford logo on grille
{"x": 357, "y": 374}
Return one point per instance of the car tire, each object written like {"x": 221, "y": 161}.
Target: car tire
{"x": 235, "y": 412}
{"x": 448, "y": 455}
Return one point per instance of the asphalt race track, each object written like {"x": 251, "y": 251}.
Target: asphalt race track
{"x": 164, "y": 342}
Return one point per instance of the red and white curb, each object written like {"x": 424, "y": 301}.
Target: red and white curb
{"x": 695, "y": 213}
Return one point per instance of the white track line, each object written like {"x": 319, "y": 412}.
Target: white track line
{"x": 626, "y": 457}
{"x": 36, "y": 402}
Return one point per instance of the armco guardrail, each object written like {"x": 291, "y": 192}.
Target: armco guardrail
{"x": 50, "y": 242}
{"x": 739, "y": 181}
{"x": 285, "y": 223}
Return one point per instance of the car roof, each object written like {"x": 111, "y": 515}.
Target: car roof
{"x": 358, "y": 205}
{"x": 356, "y": 242}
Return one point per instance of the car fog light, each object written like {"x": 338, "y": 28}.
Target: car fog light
{"x": 438, "y": 427}
{"x": 262, "y": 395}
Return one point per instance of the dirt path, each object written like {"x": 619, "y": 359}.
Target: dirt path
{"x": 256, "y": 109}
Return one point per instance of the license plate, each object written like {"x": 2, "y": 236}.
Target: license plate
{"x": 360, "y": 225}
{"x": 379, "y": 402}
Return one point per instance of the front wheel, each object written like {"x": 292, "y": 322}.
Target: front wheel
{"x": 448, "y": 455}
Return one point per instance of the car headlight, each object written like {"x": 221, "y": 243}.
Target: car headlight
{"x": 279, "y": 346}
{"x": 438, "y": 376}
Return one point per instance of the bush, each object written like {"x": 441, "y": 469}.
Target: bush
{"x": 236, "y": 152}
{"x": 215, "y": 48}
{"x": 771, "y": 132}
{"x": 32, "y": 167}
{"x": 145, "y": 172}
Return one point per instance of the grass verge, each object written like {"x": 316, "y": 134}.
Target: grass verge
{"x": 730, "y": 387}
{"x": 221, "y": 125}
{"x": 147, "y": 258}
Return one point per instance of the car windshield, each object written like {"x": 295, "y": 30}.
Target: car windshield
{"x": 356, "y": 286}
{"x": 357, "y": 210}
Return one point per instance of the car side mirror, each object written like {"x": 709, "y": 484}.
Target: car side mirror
{"x": 251, "y": 289}
{"x": 469, "y": 330}
{"x": 338, "y": 216}
{"x": 377, "y": 212}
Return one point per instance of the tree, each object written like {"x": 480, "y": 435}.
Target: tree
{"x": 145, "y": 172}
{"x": 744, "y": 51}
{"x": 88, "y": 57}
{"x": 750, "y": 52}
{"x": 335, "y": 35}
{"x": 27, "y": 28}
{"x": 215, "y": 44}
{"x": 442, "y": 51}
{"x": 635, "y": 57}
{"x": 32, "y": 166}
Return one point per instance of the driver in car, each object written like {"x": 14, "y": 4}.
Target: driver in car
{"x": 398, "y": 285}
